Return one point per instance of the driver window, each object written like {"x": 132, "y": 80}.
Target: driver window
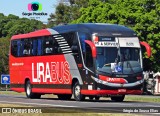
{"x": 88, "y": 57}
{"x": 86, "y": 50}
{"x": 100, "y": 57}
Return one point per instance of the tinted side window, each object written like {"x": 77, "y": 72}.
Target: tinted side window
{"x": 14, "y": 48}
{"x": 83, "y": 36}
{"x": 88, "y": 57}
{"x": 35, "y": 47}
{"x": 40, "y": 46}
{"x": 73, "y": 45}
{"x": 26, "y": 45}
{"x": 72, "y": 42}
{"x": 51, "y": 46}
{"x": 70, "y": 38}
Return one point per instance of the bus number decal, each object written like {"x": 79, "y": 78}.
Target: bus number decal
{"x": 56, "y": 72}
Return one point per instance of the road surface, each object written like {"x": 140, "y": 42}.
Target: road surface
{"x": 86, "y": 106}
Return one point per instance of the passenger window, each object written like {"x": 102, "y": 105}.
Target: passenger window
{"x": 14, "y": 48}
{"x": 73, "y": 45}
{"x": 48, "y": 45}
{"x": 19, "y": 48}
{"x": 56, "y": 48}
{"x": 27, "y": 47}
{"x": 39, "y": 47}
{"x": 51, "y": 46}
{"x": 34, "y": 47}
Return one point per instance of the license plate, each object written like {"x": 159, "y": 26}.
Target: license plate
{"x": 121, "y": 90}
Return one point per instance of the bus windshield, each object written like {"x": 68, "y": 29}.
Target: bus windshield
{"x": 118, "y": 60}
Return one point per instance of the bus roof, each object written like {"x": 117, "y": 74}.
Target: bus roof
{"x": 43, "y": 32}
{"x": 99, "y": 28}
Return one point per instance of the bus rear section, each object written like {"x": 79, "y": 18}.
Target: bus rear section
{"x": 79, "y": 60}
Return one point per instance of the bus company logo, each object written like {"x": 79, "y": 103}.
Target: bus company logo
{"x": 50, "y": 72}
{"x": 35, "y": 6}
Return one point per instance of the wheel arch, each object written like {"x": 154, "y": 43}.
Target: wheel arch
{"x": 74, "y": 81}
{"x": 27, "y": 79}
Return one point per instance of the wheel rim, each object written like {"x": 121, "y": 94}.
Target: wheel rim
{"x": 28, "y": 89}
{"x": 77, "y": 91}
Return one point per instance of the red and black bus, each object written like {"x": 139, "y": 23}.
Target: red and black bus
{"x": 86, "y": 60}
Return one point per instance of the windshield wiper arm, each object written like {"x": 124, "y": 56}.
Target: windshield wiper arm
{"x": 130, "y": 66}
{"x": 105, "y": 72}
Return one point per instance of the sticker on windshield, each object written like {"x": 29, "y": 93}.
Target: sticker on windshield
{"x": 118, "y": 69}
{"x": 106, "y": 44}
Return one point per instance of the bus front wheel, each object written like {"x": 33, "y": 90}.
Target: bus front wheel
{"x": 29, "y": 93}
{"x": 118, "y": 98}
{"x": 77, "y": 92}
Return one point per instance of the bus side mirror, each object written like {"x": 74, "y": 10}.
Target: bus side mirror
{"x": 148, "y": 48}
{"x": 93, "y": 48}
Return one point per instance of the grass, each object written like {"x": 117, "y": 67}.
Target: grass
{"x": 142, "y": 99}
{"x": 11, "y": 93}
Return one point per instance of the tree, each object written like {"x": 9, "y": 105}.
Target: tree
{"x": 143, "y": 16}
{"x": 4, "y": 51}
{"x": 9, "y": 26}
{"x": 66, "y": 12}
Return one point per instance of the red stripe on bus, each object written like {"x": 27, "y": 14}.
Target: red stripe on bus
{"x": 43, "y": 32}
{"x": 18, "y": 89}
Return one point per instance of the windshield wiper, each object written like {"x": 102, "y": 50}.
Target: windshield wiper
{"x": 108, "y": 73}
{"x": 130, "y": 66}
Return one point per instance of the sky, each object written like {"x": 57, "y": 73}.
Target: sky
{"x": 20, "y": 7}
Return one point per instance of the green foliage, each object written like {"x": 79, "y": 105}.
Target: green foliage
{"x": 4, "y": 51}
{"x": 9, "y": 26}
{"x": 66, "y": 13}
{"x": 143, "y": 16}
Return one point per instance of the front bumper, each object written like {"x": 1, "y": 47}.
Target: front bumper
{"x": 126, "y": 85}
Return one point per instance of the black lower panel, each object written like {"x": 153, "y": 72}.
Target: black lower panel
{"x": 54, "y": 86}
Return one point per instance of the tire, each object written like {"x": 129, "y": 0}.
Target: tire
{"x": 64, "y": 97}
{"x": 97, "y": 98}
{"x": 77, "y": 92}
{"x": 91, "y": 97}
{"x": 118, "y": 98}
{"x": 29, "y": 94}
{"x": 152, "y": 90}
